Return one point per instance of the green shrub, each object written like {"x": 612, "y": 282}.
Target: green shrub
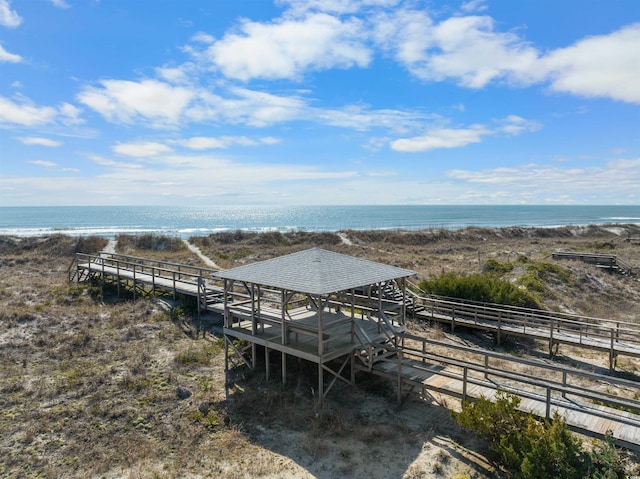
{"x": 491, "y": 266}
{"x": 486, "y": 288}
{"x": 532, "y": 448}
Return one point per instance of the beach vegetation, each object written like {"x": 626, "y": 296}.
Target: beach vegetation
{"x": 530, "y": 448}
{"x": 149, "y": 242}
{"x": 485, "y": 288}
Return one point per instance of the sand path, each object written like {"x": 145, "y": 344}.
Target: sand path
{"x": 208, "y": 261}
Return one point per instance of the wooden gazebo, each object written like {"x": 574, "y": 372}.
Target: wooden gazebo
{"x": 324, "y": 307}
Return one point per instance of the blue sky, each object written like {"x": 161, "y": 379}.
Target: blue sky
{"x": 223, "y": 102}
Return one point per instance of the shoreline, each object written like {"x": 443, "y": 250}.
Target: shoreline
{"x": 185, "y": 234}
{"x": 185, "y": 222}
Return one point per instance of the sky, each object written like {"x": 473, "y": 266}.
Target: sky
{"x": 319, "y": 102}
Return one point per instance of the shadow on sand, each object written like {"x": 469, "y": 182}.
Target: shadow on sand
{"x": 359, "y": 433}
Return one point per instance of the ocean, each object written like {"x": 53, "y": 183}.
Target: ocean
{"x": 184, "y": 222}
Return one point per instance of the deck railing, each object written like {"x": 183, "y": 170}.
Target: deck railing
{"x": 549, "y": 383}
{"x": 618, "y": 337}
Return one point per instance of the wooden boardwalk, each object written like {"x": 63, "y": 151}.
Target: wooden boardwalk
{"x": 416, "y": 361}
{"x": 467, "y": 374}
{"x": 617, "y": 338}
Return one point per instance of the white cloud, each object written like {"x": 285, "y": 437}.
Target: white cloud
{"x": 6, "y": 57}
{"x": 31, "y": 140}
{"x": 515, "y": 125}
{"x": 60, "y": 4}
{"x": 474, "y": 6}
{"x": 141, "y": 149}
{"x": 184, "y": 74}
{"x": 210, "y": 143}
{"x": 100, "y": 160}
{"x": 44, "y": 163}
{"x": 70, "y": 115}
{"x": 202, "y": 37}
{"x": 546, "y": 181}
{"x": 405, "y": 33}
{"x": 25, "y": 113}
{"x": 160, "y": 105}
{"x": 8, "y": 18}
{"x": 440, "y": 138}
{"x": 468, "y": 50}
{"x": 437, "y": 138}
{"x": 288, "y": 47}
{"x": 122, "y": 101}
{"x": 599, "y": 66}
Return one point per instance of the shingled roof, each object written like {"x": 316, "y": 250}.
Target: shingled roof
{"x": 315, "y": 271}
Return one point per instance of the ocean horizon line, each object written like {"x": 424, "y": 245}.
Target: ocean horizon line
{"x": 185, "y": 221}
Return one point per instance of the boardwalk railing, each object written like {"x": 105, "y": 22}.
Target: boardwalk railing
{"x": 611, "y": 261}
{"x": 157, "y": 274}
{"x": 549, "y": 386}
{"x": 616, "y": 337}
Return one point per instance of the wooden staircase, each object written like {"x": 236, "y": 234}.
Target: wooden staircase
{"x": 606, "y": 261}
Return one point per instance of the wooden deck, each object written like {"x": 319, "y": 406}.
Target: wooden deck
{"x": 298, "y": 335}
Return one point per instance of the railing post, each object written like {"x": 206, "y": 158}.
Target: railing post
{"x": 564, "y": 383}
{"x": 399, "y": 378}
{"x": 453, "y": 318}
{"x": 464, "y": 385}
{"x": 486, "y": 366}
{"x": 548, "y": 411}
{"x": 134, "y": 281}
{"x": 174, "y": 284}
{"x": 612, "y": 354}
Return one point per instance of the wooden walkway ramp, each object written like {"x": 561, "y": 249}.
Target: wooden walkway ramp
{"x": 144, "y": 276}
{"x": 617, "y": 338}
{"x": 440, "y": 368}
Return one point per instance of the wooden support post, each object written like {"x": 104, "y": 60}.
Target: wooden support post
{"x": 266, "y": 361}
{"x": 225, "y": 292}
{"x": 284, "y": 368}
{"x": 320, "y": 385}
{"x": 399, "y": 378}
{"x": 283, "y": 316}
{"x": 226, "y": 367}
{"x": 320, "y": 341}
{"x": 353, "y": 368}
{"x": 134, "y": 282}
{"x": 564, "y": 383}
{"x": 404, "y": 301}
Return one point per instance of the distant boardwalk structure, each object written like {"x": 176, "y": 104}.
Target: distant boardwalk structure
{"x": 347, "y": 314}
